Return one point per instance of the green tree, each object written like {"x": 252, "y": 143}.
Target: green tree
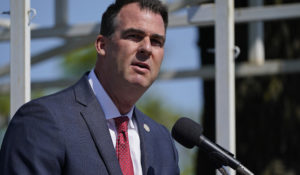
{"x": 4, "y": 103}
{"x": 77, "y": 62}
{"x": 4, "y": 114}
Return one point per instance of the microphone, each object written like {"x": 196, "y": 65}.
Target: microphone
{"x": 189, "y": 133}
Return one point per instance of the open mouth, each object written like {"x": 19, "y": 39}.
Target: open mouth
{"x": 141, "y": 65}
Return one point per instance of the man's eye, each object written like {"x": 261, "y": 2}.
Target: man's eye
{"x": 134, "y": 37}
{"x": 156, "y": 42}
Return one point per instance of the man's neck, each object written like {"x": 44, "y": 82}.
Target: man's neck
{"x": 124, "y": 98}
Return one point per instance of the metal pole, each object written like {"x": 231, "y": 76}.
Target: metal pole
{"x": 61, "y": 13}
{"x": 256, "y": 38}
{"x": 19, "y": 54}
{"x": 225, "y": 79}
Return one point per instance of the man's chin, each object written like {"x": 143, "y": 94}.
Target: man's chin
{"x": 140, "y": 82}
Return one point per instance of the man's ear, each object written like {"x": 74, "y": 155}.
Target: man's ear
{"x": 100, "y": 44}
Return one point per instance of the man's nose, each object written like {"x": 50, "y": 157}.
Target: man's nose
{"x": 146, "y": 47}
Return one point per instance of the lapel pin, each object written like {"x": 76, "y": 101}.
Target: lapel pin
{"x": 146, "y": 127}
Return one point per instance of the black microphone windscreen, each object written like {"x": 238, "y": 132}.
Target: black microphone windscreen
{"x": 187, "y": 132}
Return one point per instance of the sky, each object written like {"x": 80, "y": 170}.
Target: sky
{"x": 181, "y": 53}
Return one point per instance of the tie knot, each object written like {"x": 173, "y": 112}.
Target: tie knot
{"x": 121, "y": 123}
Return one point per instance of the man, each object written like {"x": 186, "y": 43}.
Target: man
{"x": 77, "y": 130}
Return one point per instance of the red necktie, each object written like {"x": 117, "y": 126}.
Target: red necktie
{"x": 122, "y": 146}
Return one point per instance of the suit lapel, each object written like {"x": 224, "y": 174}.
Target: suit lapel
{"x": 96, "y": 122}
{"x": 146, "y": 148}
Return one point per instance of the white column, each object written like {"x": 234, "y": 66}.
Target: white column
{"x": 19, "y": 54}
{"x": 225, "y": 76}
{"x": 256, "y": 38}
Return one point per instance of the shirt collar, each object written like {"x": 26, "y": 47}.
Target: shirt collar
{"x": 109, "y": 108}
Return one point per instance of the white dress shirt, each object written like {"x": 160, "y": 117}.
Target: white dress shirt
{"x": 110, "y": 111}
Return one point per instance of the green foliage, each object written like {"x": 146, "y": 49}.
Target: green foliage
{"x": 79, "y": 61}
{"x": 154, "y": 107}
{"x": 4, "y": 114}
{"x": 38, "y": 93}
{"x": 4, "y": 103}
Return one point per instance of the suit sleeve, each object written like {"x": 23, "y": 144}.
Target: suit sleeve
{"x": 33, "y": 143}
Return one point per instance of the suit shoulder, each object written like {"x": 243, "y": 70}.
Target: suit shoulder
{"x": 62, "y": 97}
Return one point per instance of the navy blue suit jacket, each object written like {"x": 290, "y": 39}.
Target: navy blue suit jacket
{"x": 66, "y": 133}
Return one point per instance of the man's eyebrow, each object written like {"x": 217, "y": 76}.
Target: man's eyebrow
{"x": 133, "y": 30}
{"x": 160, "y": 37}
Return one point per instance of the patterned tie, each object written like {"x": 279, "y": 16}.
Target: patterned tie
{"x": 122, "y": 146}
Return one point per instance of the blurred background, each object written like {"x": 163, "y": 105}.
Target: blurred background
{"x": 267, "y": 101}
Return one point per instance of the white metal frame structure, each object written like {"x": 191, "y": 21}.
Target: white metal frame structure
{"x": 224, "y": 75}
{"x": 20, "y": 60}
{"x": 221, "y": 14}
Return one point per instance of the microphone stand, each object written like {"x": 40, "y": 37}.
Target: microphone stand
{"x": 219, "y": 161}
{"x": 223, "y": 171}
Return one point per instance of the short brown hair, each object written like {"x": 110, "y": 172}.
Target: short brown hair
{"x": 107, "y": 23}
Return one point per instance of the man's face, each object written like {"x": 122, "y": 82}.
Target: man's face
{"x": 134, "y": 52}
